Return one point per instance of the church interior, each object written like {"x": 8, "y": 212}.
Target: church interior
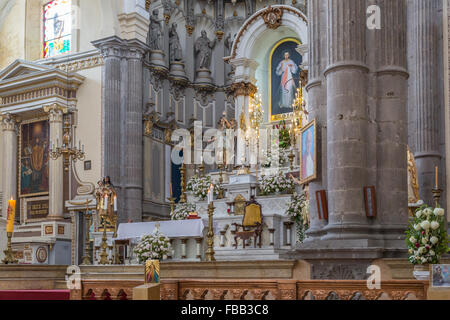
{"x": 224, "y": 150}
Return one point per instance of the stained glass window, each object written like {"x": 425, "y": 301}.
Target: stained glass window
{"x": 57, "y": 27}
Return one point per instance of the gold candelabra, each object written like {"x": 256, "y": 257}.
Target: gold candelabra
{"x": 182, "y": 183}
{"x": 67, "y": 150}
{"x": 436, "y": 195}
{"x": 172, "y": 204}
{"x": 9, "y": 254}
{"x": 104, "y": 246}
{"x": 209, "y": 255}
{"x": 220, "y": 195}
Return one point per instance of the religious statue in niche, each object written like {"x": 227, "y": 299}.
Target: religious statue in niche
{"x": 34, "y": 170}
{"x": 175, "y": 52}
{"x": 155, "y": 31}
{"x": 284, "y": 77}
{"x": 203, "y": 49}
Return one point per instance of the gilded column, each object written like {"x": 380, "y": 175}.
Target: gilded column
{"x": 9, "y": 127}
{"x": 426, "y": 93}
{"x": 347, "y": 119}
{"x": 317, "y": 109}
{"x": 56, "y": 167}
{"x": 391, "y": 119}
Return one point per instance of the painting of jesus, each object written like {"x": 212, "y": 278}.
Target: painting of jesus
{"x": 308, "y": 153}
{"x": 284, "y": 77}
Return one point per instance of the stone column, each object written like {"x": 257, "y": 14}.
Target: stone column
{"x": 347, "y": 119}
{"x": 111, "y": 49}
{"x": 316, "y": 92}
{"x": 9, "y": 153}
{"x": 425, "y": 89}
{"x": 56, "y": 167}
{"x": 132, "y": 183}
{"x": 391, "y": 118}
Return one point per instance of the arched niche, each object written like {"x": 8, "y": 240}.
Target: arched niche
{"x": 253, "y": 44}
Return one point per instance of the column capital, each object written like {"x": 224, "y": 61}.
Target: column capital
{"x": 244, "y": 89}
{"x": 9, "y": 122}
{"x": 55, "y": 112}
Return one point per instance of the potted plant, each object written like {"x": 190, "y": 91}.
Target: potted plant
{"x": 182, "y": 211}
{"x": 298, "y": 211}
{"x": 154, "y": 246}
{"x": 426, "y": 239}
{"x": 199, "y": 186}
{"x": 276, "y": 184}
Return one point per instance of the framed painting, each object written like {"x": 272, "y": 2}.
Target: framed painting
{"x": 33, "y": 160}
{"x": 440, "y": 275}
{"x": 308, "y": 152}
{"x": 284, "y": 78}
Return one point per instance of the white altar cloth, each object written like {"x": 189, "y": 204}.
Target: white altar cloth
{"x": 171, "y": 229}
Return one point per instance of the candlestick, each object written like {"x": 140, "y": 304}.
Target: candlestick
{"x": 9, "y": 254}
{"x": 211, "y": 193}
{"x": 209, "y": 255}
{"x": 171, "y": 194}
{"x": 436, "y": 196}
{"x": 182, "y": 183}
{"x": 104, "y": 245}
{"x": 172, "y": 205}
{"x": 115, "y": 203}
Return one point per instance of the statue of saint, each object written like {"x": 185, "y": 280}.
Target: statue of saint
{"x": 155, "y": 31}
{"x": 175, "y": 52}
{"x": 413, "y": 183}
{"x": 203, "y": 47}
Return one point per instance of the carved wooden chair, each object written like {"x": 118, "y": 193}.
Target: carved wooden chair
{"x": 252, "y": 224}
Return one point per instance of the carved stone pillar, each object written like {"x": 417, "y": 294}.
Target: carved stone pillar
{"x": 426, "y": 112}
{"x": 56, "y": 167}
{"x": 347, "y": 119}
{"x": 9, "y": 153}
{"x": 317, "y": 109}
{"x": 391, "y": 117}
{"x": 132, "y": 182}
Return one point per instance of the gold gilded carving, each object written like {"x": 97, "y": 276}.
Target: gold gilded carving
{"x": 242, "y": 122}
{"x": 149, "y": 121}
{"x": 244, "y": 89}
{"x": 239, "y": 205}
{"x": 413, "y": 184}
{"x": 272, "y": 17}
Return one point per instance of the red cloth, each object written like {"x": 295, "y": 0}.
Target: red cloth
{"x": 35, "y": 295}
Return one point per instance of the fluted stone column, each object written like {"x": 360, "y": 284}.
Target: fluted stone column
{"x": 122, "y": 109}
{"x": 391, "y": 117}
{"x": 316, "y": 90}
{"x": 133, "y": 157}
{"x": 9, "y": 127}
{"x": 425, "y": 89}
{"x": 56, "y": 167}
{"x": 347, "y": 119}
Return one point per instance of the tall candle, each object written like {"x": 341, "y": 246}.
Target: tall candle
{"x": 437, "y": 184}
{"x": 11, "y": 214}
{"x": 106, "y": 202}
{"x": 210, "y": 194}
{"x": 115, "y": 203}
{"x": 171, "y": 194}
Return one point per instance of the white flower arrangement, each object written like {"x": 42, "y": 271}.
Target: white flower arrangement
{"x": 426, "y": 236}
{"x": 199, "y": 186}
{"x": 282, "y": 158}
{"x": 182, "y": 211}
{"x": 154, "y": 246}
{"x": 275, "y": 183}
{"x": 298, "y": 210}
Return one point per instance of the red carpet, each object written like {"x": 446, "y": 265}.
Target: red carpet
{"x": 35, "y": 295}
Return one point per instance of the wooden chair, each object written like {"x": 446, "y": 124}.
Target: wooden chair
{"x": 252, "y": 224}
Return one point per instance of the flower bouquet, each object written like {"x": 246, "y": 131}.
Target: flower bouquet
{"x": 154, "y": 246}
{"x": 298, "y": 210}
{"x": 275, "y": 183}
{"x": 426, "y": 236}
{"x": 199, "y": 186}
{"x": 182, "y": 211}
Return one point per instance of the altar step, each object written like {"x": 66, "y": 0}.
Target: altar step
{"x": 249, "y": 254}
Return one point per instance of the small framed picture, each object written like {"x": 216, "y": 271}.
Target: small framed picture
{"x": 440, "y": 275}
{"x": 308, "y": 153}
{"x": 87, "y": 165}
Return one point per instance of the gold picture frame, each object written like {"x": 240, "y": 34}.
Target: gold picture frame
{"x": 310, "y": 127}
{"x": 281, "y": 116}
